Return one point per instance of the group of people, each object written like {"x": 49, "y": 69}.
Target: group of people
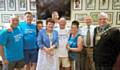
{"x": 56, "y": 47}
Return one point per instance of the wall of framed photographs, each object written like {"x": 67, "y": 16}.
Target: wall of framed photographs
{"x": 81, "y": 8}
{"x": 16, "y": 7}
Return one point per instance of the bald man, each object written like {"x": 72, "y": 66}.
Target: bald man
{"x": 62, "y": 52}
{"x": 87, "y": 62}
{"x": 11, "y": 45}
{"x": 107, "y": 44}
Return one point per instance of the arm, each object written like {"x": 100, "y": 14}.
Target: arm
{"x": 94, "y": 36}
{"x": 2, "y": 54}
{"x": 39, "y": 40}
{"x": 79, "y": 45}
{"x": 3, "y": 40}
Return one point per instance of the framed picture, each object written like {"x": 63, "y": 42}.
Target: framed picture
{"x": 21, "y": 16}
{"x": 110, "y": 17}
{"x": 5, "y": 18}
{"x": 34, "y": 17}
{"x": 95, "y": 16}
{"x": 116, "y": 4}
{"x": 77, "y": 4}
{"x": 11, "y": 5}
{"x": 22, "y": 5}
{"x": 33, "y": 5}
{"x": 118, "y": 18}
{"x": 45, "y": 8}
{"x": 90, "y": 4}
{"x": 2, "y": 5}
{"x": 103, "y": 4}
{"x": 80, "y": 17}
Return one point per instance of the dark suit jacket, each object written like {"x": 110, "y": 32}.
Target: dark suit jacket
{"x": 108, "y": 48}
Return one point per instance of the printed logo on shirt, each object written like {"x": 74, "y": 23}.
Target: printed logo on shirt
{"x": 18, "y": 37}
{"x": 63, "y": 36}
{"x": 28, "y": 31}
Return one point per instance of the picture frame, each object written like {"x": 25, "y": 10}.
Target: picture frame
{"x": 77, "y": 4}
{"x": 118, "y": 18}
{"x": 32, "y": 5}
{"x": 45, "y": 8}
{"x": 5, "y": 18}
{"x": 2, "y": 5}
{"x": 34, "y": 17}
{"x": 11, "y": 5}
{"x": 94, "y": 16}
{"x": 80, "y": 17}
{"x": 90, "y": 4}
{"x": 22, "y": 5}
{"x": 103, "y": 4}
{"x": 116, "y": 4}
{"x": 110, "y": 17}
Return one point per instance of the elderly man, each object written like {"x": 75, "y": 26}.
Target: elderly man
{"x": 11, "y": 46}
{"x": 87, "y": 32}
{"x": 107, "y": 44}
{"x": 63, "y": 34}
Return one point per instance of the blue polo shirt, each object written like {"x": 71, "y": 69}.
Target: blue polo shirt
{"x": 29, "y": 35}
{"x": 13, "y": 44}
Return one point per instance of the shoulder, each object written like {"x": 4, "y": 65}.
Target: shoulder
{"x": 4, "y": 32}
{"x": 114, "y": 30}
{"x": 93, "y": 26}
{"x": 43, "y": 30}
{"x": 33, "y": 24}
{"x": 55, "y": 32}
{"x": 22, "y": 24}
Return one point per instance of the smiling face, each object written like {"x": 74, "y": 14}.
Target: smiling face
{"x": 102, "y": 20}
{"x": 55, "y": 15}
{"x": 39, "y": 26}
{"x": 62, "y": 23}
{"x": 28, "y": 18}
{"x": 14, "y": 21}
{"x": 74, "y": 29}
{"x": 49, "y": 26}
{"x": 88, "y": 20}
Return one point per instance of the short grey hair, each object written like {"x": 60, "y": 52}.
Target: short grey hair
{"x": 103, "y": 14}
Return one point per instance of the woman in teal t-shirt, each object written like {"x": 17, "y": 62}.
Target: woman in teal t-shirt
{"x": 74, "y": 46}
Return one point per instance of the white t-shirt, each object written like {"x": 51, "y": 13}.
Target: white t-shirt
{"x": 63, "y": 35}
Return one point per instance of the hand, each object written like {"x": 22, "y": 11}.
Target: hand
{"x": 5, "y": 61}
{"x": 46, "y": 49}
{"x": 51, "y": 48}
{"x": 68, "y": 47}
{"x": 9, "y": 29}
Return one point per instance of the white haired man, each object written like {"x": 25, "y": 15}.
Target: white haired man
{"x": 107, "y": 44}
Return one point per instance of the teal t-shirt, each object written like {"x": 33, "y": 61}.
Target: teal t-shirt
{"x": 13, "y": 44}
{"x": 29, "y": 35}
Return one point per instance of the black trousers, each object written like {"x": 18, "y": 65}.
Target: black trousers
{"x": 100, "y": 67}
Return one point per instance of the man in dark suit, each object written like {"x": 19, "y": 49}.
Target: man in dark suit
{"x": 107, "y": 44}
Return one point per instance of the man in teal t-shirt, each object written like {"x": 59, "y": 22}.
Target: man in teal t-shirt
{"x": 11, "y": 45}
{"x": 29, "y": 39}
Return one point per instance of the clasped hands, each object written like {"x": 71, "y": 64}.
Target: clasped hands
{"x": 49, "y": 51}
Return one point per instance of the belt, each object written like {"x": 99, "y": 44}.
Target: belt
{"x": 87, "y": 47}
